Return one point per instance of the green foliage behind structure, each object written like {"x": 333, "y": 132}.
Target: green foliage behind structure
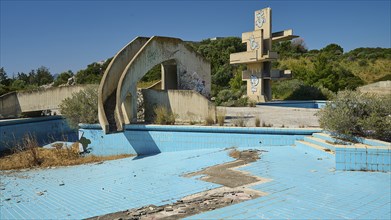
{"x": 81, "y": 107}
{"x": 93, "y": 73}
{"x": 217, "y": 53}
{"x": 22, "y": 81}
{"x": 316, "y": 73}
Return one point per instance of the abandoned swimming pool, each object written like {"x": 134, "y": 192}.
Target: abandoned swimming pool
{"x": 317, "y": 104}
{"x": 301, "y": 183}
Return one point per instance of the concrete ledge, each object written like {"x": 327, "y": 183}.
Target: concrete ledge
{"x": 153, "y": 139}
{"x": 212, "y": 129}
{"x": 44, "y": 129}
{"x": 360, "y": 157}
{"x": 29, "y": 120}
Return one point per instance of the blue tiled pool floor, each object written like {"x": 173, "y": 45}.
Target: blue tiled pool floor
{"x": 90, "y": 190}
{"x": 303, "y": 186}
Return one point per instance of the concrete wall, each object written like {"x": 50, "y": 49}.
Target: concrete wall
{"x": 193, "y": 70}
{"x": 152, "y": 139}
{"x": 13, "y": 104}
{"x": 361, "y": 158}
{"x": 182, "y": 68}
{"x": 44, "y": 129}
{"x": 9, "y": 105}
{"x": 109, "y": 82}
{"x": 187, "y": 104}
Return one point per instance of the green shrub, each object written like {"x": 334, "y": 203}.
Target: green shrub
{"x": 354, "y": 114}
{"x": 164, "y": 116}
{"x": 282, "y": 89}
{"x": 305, "y": 92}
{"x": 82, "y": 107}
{"x": 296, "y": 90}
{"x": 232, "y": 98}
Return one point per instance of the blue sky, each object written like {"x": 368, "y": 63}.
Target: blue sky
{"x": 69, "y": 35}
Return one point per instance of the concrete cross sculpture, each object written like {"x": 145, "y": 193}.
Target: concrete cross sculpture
{"x": 259, "y": 56}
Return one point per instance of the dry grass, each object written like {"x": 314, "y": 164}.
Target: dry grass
{"x": 239, "y": 121}
{"x": 209, "y": 120}
{"x": 33, "y": 156}
{"x": 221, "y": 117}
{"x": 145, "y": 85}
{"x": 264, "y": 124}
{"x": 164, "y": 116}
{"x": 257, "y": 122}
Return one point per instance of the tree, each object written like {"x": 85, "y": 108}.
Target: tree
{"x": 63, "y": 78}
{"x": 4, "y": 80}
{"x": 22, "y": 76}
{"x": 298, "y": 46}
{"x": 332, "y": 49}
{"x": 292, "y": 48}
{"x": 82, "y": 107}
{"x": 93, "y": 73}
{"x": 18, "y": 84}
{"x": 43, "y": 76}
{"x": 217, "y": 52}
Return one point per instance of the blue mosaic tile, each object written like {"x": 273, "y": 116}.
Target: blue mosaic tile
{"x": 306, "y": 188}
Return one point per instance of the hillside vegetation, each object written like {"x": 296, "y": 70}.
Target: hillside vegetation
{"x": 317, "y": 74}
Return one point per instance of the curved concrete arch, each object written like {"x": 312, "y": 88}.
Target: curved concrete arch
{"x": 108, "y": 85}
{"x": 156, "y": 51}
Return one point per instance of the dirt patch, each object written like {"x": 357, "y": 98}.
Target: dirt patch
{"x": 235, "y": 190}
{"x": 35, "y": 157}
{"x": 203, "y": 202}
{"x": 223, "y": 174}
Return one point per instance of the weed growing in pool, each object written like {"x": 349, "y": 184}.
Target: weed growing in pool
{"x": 164, "y": 116}
{"x": 239, "y": 121}
{"x": 221, "y": 117}
{"x": 209, "y": 121}
{"x": 257, "y": 121}
{"x": 28, "y": 154}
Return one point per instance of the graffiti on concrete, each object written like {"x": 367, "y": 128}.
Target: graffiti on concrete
{"x": 254, "y": 45}
{"x": 260, "y": 16}
{"x": 254, "y": 82}
{"x": 192, "y": 81}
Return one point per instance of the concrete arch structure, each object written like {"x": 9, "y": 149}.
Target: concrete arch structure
{"x": 191, "y": 71}
{"x": 108, "y": 85}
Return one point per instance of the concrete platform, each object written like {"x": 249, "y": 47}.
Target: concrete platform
{"x": 273, "y": 115}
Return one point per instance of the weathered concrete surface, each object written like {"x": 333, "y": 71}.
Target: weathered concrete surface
{"x": 270, "y": 115}
{"x": 259, "y": 56}
{"x": 9, "y": 105}
{"x": 192, "y": 70}
{"x": 188, "y": 105}
{"x": 13, "y": 104}
{"x": 110, "y": 78}
{"x": 380, "y": 88}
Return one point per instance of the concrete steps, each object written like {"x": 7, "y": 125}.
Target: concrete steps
{"x": 318, "y": 144}
{"x": 330, "y": 139}
{"x": 371, "y": 155}
{"x": 315, "y": 149}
